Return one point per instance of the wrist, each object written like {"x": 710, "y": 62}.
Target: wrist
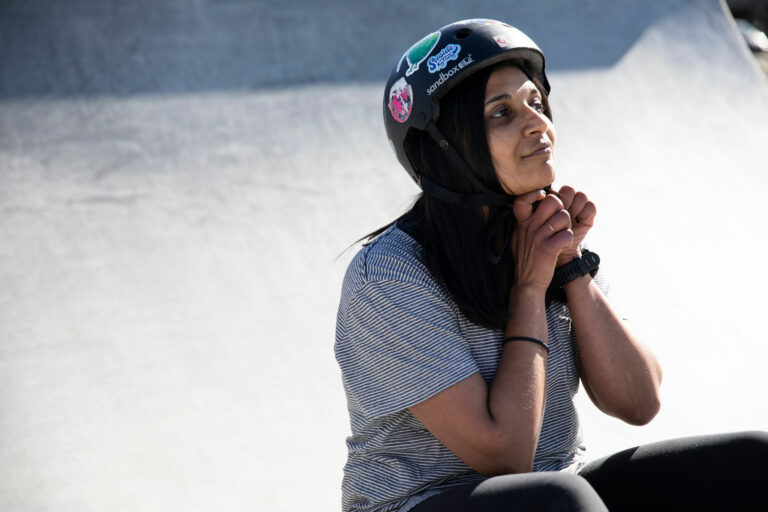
{"x": 526, "y": 295}
{"x": 567, "y": 257}
{"x": 523, "y": 291}
{"x": 576, "y": 283}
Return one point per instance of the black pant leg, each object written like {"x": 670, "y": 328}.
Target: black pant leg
{"x": 529, "y": 492}
{"x": 717, "y": 472}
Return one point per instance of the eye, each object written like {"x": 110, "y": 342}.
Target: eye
{"x": 502, "y": 112}
{"x": 537, "y": 105}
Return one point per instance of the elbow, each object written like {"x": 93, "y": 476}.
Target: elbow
{"x": 504, "y": 468}
{"x": 513, "y": 460}
{"x": 644, "y": 411}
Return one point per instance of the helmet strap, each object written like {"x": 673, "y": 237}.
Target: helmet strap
{"x": 433, "y": 189}
{"x": 456, "y": 159}
{"x": 503, "y": 222}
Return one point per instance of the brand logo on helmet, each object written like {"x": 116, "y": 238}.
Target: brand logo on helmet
{"x": 418, "y": 52}
{"x": 400, "y": 100}
{"x": 447, "y": 54}
{"x": 444, "y": 77}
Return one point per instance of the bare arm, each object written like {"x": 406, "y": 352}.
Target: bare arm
{"x": 495, "y": 428}
{"x": 620, "y": 374}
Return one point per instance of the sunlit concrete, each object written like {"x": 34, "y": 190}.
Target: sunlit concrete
{"x": 179, "y": 181}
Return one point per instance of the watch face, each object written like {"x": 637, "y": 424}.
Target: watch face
{"x": 591, "y": 259}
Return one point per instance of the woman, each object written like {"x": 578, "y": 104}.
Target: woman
{"x": 465, "y": 327}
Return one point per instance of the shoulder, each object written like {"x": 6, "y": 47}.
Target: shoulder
{"x": 398, "y": 335}
{"x": 393, "y": 257}
{"x": 388, "y": 288}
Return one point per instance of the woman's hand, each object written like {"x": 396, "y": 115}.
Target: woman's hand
{"x": 540, "y": 237}
{"x": 583, "y": 213}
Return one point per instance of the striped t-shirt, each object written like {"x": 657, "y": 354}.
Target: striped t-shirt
{"x": 400, "y": 339}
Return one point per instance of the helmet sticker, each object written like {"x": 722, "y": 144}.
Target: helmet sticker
{"x": 444, "y": 77}
{"x": 502, "y": 42}
{"x": 418, "y": 52}
{"x": 447, "y": 54}
{"x": 484, "y": 22}
{"x": 400, "y": 100}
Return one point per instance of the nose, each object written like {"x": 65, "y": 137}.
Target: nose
{"x": 535, "y": 122}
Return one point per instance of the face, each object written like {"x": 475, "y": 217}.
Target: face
{"x": 521, "y": 138}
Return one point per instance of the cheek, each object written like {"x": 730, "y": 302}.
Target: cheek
{"x": 552, "y": 134}
{"x": 497, "y": 147}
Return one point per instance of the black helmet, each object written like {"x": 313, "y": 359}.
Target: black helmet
{"x": 432, "y": 67}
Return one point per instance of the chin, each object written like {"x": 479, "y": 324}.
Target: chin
{"x": 546, "y": 181}
{"x": 550, "y": 178}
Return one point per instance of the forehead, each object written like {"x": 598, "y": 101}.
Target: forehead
{"x": 508, "y": 79}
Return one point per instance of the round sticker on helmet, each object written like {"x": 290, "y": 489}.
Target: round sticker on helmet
{"x": 400, "y": 100}
{"x": 502, "y": 41}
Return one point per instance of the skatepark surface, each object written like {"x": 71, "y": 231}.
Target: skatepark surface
{"x": 179, "y": 181}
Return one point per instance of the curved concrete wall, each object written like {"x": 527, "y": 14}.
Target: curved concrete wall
{"x": 177, "y": 179}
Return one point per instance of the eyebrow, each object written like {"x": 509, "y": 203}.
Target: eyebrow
{"x": 504, "y": 96}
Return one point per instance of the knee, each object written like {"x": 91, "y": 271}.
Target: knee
{"x": 751, "y": 444}
{"x": 541, "y": 491}
{"x": 571, "y": 492}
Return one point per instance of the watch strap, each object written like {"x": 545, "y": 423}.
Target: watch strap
{"x": 587, "y": 263}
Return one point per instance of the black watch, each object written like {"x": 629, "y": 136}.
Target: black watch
{"x": 588, "y": 263}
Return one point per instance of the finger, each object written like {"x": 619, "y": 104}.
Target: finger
{"x": 577, "y": 205}
{"x": 558, "y": 222}
{"x": 548, "y": 206}
{"x": 523, "y": 207}
{"x": 587, "y": 214}
{"x": 566, "y": 195}
{"x": 559, "y": 241}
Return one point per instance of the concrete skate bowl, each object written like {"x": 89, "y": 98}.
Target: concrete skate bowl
{"x": 178, "y": 178}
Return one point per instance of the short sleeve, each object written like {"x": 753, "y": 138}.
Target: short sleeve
{"x": 401, "y": 345}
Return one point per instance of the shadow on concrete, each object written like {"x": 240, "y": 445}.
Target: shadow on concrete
{"x": 115, "y": 48}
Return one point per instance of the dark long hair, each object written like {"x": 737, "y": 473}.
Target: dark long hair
{"x": 454, "y": 236}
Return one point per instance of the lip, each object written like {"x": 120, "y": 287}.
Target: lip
{"x": 543, "y": 149}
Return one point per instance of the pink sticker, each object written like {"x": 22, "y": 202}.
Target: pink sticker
{"x": 503, "y": 43}
{"x": 400, "y": 100}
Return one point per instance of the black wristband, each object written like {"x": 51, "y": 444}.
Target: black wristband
{"x": 588, "y": 263}
{"x": 526, "y": 338}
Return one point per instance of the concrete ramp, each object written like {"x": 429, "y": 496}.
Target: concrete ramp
{"x": 179, "y": 178}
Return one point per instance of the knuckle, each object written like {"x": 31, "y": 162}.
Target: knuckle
{"x": 555, "y": 201}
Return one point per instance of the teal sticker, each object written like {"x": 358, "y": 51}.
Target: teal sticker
{"x": 418, "y": 52}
